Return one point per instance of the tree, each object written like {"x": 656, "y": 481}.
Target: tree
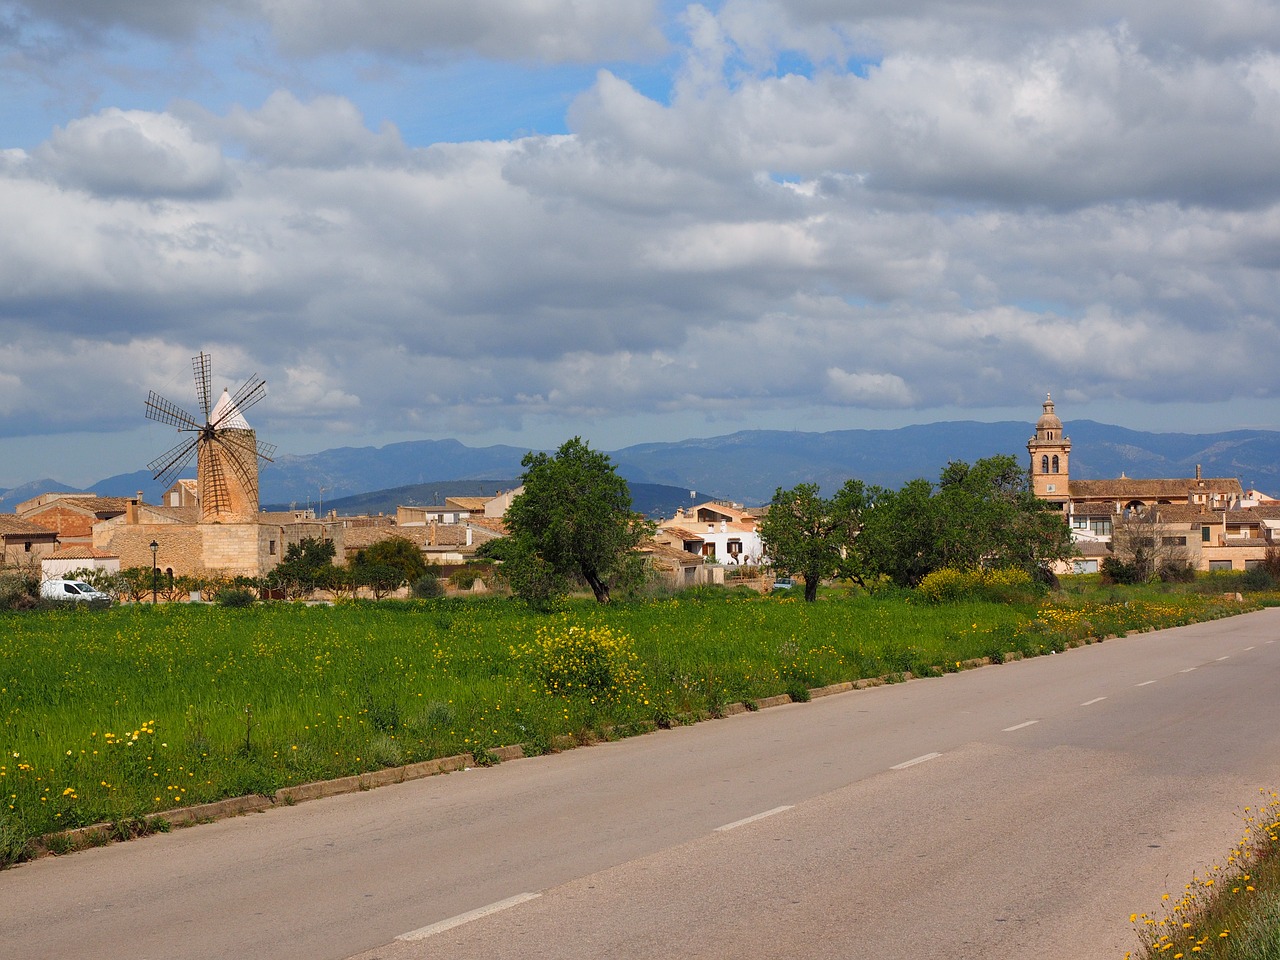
{"x": 307, "y": 566}
{"x": 388, "y": 564}
{"x": 900, "y": 533}
{"x": 807, "y": 535}
{"x": 574, "y": 519}
{"x": 1150, "y": 547}
{"x": 980, "y": 515}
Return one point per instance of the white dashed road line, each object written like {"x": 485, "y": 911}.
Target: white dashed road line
{"x": 759, "y": 816}
{"x": 912, "y": 763}
{"x": 1019, "y": 726}
{"x": 1090, "y": 703}
{"x": 1220, "y": 659}
{"x": 423, "y": 933}
{"x": 1146, "y": 683}
{"x": 1188, "y": 670}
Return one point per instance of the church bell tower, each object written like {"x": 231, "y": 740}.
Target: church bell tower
{"x": 1050, "y": 452}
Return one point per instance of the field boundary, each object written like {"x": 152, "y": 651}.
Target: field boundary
{"x": 101, "y": 834}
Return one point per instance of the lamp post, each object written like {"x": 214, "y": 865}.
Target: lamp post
{"x": 154, "y": 547}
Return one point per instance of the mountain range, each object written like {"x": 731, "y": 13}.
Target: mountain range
{"x": 746, "y": 466}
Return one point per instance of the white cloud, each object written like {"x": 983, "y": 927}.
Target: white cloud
{"x": 550, "y": 30}
{"x": 868, "y": 389}
{"x": 328, "y": 131}
{"x": 1071, "y": 203}
{"x": 133, "y": 153}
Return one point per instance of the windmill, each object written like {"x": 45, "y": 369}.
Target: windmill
{"x": 225, "y": 446}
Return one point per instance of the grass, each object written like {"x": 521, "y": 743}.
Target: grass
{"x": 108, "y": 716}
{"x": 1232, "y": 912}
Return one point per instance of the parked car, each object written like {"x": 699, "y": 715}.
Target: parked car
{"x": 782, "y": 583}
{"x": 75, "y": 591}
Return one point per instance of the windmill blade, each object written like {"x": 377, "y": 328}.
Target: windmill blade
{"x": 237, "y": 451}
{"x": 250, "y": 392}
{"x": 257, "y": 448}
{"x": 215, "y": 497}
{"x": 167, "y": 466}
{"x": 200, "y": 366}
{"x": 166, "y": 411}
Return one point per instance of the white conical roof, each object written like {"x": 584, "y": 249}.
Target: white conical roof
{"x": 226, "y": 415}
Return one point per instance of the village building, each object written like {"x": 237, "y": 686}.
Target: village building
{"x": 24, "y": 544}
{"x": 718, "y": 531}
{"x": 1210, "y": 523}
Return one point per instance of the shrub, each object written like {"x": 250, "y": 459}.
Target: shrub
{"x": 1258, "y": 578}
{"x": 596, "y": 662}
{"x": 1004, "y": 585}
{"x": 235, "y": 597}
{"x": 465, "y": 578}
{"x": 18, "y": 592}
{"x": 1177, "y": 571}
{"x": 1115, "y": 570}
{"x": 424, "y": 588}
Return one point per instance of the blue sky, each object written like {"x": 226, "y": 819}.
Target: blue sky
{"x": 526, "y": 220}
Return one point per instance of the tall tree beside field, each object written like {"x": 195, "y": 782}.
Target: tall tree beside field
{"x": 979, "y": 515}
{"x": 812, "y": 537}
{"x": 574, "y": 519}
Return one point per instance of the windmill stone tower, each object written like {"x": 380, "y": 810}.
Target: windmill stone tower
{"x": 227, "y": 472}
{"x": 225, "y": 446}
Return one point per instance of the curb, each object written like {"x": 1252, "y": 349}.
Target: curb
{"x": 99, "y": 834}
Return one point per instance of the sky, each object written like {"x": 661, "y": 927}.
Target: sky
{"x": 520, "y": 221}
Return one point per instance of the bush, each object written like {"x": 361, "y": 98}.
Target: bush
{"x": 1006, "y": 585}
{"x": 1177, "y": 572}
{"x": 425, "y": 588}
{"x": 18, "y": 592}
{"x": 464, "y": 579}
{"x": 235, "y": 597}
{"x": 1116, "y": 571}
{"x": 1258, "y": 578}
{"x": 596, "y": 662}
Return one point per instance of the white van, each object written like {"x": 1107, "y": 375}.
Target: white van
{"x": 75, "y": 590}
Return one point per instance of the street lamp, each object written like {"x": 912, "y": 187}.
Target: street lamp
{"x": 154, "y": 547}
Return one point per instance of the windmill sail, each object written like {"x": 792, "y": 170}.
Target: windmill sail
{"x": 225, "y": 446}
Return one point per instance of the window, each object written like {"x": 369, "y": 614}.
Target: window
{"x": 1219, "y": 564}
{"x": 1101, "y": 526}
{"x": 1205, "y": 533}
{"x": 1044, "y": 463}
{"x": 1173, "y": 541}
{"x": 26, "y": 547}
{"x": 1055, "y": 464}
{"x": 1253, "y": 564}
{"x": 734, "y": 547}
{"x": 271, "y": 548}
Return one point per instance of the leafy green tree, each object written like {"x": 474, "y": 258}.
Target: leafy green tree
{"x": 980, "y": 515}
{"x": 307, "y": 566}
{"x": 812, "y": 537}
{"x": 900, "y": 533}
{"x": 400, "y": 553}
{"x": 574, "y": 519}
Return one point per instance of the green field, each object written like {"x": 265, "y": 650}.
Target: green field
{"x": 109, "y": 715}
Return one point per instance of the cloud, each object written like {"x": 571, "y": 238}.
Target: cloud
{"x": 550, "y": 30}
{"x": 328, "y": 132}
{"x": 868, "y": 389}
{"x": 133, "y": 153}
{"x": 1075, "y": 202}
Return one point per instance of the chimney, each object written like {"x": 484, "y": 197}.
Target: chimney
{"x": 1197, "y": 471}
{"x": 131, "y": 510}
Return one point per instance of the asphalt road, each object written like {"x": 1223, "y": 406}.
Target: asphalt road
{"x": 1011, "y": 811}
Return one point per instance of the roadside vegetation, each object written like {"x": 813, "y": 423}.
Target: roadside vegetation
{"x": 110, "y": 715}
{"x": 1231, "y": 911}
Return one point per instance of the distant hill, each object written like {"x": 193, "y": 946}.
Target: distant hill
{"x": 748, "y": 466}
{"x": 15, "y": 495}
